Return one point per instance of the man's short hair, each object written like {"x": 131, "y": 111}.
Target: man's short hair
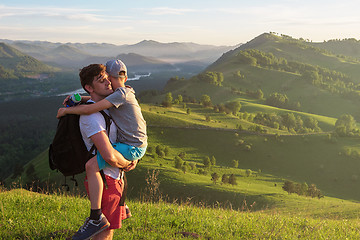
{"x": 88, "y": 73}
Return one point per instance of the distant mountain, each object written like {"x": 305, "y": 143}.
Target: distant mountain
{"x": 176, "y": 52}
{"x": 136, "y": 63}
{"x": 18, "y": 64}
{"x": 68, "y": 56}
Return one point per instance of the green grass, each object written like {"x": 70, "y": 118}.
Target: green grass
{"x": 310, "y": 159}
{"x": 255, "y": 208}
{"x": 28, "y": 215}
{"x": 302, "y": 158}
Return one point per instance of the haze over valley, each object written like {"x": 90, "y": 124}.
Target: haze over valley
{"x": 269, "y": 124}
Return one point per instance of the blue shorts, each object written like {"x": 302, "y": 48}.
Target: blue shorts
{"x": 129, "y": 152}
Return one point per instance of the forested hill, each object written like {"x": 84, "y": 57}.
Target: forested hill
{"x": 301, "y": 76}
{"x": 298, "y": 50}
{"x": 345, "y": 47}
{"x": 15, "y": 64}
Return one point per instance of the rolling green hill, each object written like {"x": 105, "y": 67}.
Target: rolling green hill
{"x": 330, "y": 163}
{"x": 19, "y": 64}
{"x": 345, "y": 47}
{"x": 195, "y": 148}
{"x": 321, "y": 82}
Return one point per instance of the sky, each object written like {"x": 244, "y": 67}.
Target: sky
{"x": 213, "y": 22}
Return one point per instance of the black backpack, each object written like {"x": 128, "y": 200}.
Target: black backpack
{"x": 68, "y": 153}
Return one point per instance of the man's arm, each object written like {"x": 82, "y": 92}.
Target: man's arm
{"x": 110, "y": 155}
{"x": 85, "y": 109}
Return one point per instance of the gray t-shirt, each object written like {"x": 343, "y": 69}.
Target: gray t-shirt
{"x": 127, "y": 116}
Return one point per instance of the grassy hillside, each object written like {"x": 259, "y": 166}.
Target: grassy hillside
{"x": 40, "y": 216}
{"x": 345, "y": 47}
{"x": 242, "y": 145}
{"x": 271, "y": 72}
{"x": 19, "y": 64}
{"x": 330, "y": 163}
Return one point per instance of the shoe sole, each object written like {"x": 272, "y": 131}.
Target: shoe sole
{"x": 102, "y": 229}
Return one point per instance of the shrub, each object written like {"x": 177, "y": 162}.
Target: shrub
{"x": 235, "y": 163}
{"x": 206, "y": 161}
{"x": 178, "y": 162}
{"x": 225, "y": 179}
{"x": 214, "y": 177}
{"x": 232, "y": 179}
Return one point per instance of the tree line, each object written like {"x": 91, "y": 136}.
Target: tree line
{"x": 285, "y": 121}
{"x": 330, "y": 80}
{"x": 302, "y": 189}
{"x": 27, "y": 128}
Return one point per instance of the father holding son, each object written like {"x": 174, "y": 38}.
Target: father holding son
{"x": 130, "y": 135}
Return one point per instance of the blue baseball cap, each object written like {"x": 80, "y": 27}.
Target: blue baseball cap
{"x": 114, "y": 67}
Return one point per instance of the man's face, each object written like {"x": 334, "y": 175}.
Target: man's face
{"x": 102, "y": 85}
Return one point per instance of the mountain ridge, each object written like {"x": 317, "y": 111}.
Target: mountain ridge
{"x": 19, "y": 63}
{"x": 183, "y": 52}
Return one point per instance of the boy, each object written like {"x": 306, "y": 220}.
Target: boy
{"x": 131, "y": 130}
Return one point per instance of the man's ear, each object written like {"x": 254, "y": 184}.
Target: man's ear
{"x": 89, "y": 88}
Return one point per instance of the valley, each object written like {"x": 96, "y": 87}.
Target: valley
{"x": 272, "y": 110}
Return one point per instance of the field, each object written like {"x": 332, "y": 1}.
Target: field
{"x": 57, "y": 216}
{"x": 331, "y": 164}
{"x": 168, "y": 200}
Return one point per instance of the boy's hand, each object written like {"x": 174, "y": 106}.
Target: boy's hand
{"x": 65, "y": 100}
{"x": 61, "y": 112}
{"x": 131, "y": 166}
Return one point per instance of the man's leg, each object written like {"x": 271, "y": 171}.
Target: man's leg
{"x": 105, "y": 235}
{"x": 95, "y": 183}
{"x": 97, "y": 222}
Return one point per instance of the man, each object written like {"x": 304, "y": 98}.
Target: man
{"x": 94, "y": 80}
{"x": 131, "y": 135}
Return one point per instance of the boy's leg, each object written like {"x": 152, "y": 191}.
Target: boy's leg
{"x": 95, "y": 183}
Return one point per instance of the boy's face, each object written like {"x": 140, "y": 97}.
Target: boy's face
{"x": 102, "y": 85}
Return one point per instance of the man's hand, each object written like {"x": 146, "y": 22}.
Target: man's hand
{"x": 131, "y": 166}
{"x": 61, "y": 112}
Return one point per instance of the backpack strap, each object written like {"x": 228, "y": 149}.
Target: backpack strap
{"x": 123, "y": 196}
{"x": 107, "y": 121}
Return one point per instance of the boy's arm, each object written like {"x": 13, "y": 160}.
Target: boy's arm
{"x": 85, "y": 109}
{"x": 132, "y": 166}
{"x": 110, "y": 155}
{"x": 84, "y": 99}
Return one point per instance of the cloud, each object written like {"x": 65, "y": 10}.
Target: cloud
{"x": 170, "y": 11}
{"x": 87, "y": 15}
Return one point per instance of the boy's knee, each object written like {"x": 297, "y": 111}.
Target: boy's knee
{"x": 92, "y": 165}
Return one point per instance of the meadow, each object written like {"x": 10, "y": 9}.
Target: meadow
{"x": 29, "y": 215}
{"x": 169, "y": 201}
{"x": 331, "y": 163}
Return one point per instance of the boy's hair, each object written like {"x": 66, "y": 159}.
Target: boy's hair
{"x": 88, "y": 73}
